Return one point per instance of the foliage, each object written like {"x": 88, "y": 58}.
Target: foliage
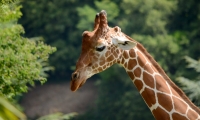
{"x": 186, "y": 19}
{"x": 191, "y": 87}
{"x": 9, "y": 112}
{"x": 21, "y": 59}
{"x": 58, "y": 116}
{"x": 184, "y": 25}
{"x": 147, "y": 17}
{"x": 86, "y": 22}
{"x": 57, "y": 26}
{"x": 7, "y": 1}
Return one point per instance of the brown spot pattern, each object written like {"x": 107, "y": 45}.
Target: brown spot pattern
{"x": 192, "y": 115}
{"x": 102, "y": 63}
{"x": 117, "y": 51}
{"x": 115, "y": 54}
{"x": 148, "y": 79}
{"x": 177, "y": 116}
{"x": 160, "y": 114}
{"x": 175, "y": 93}
{"x": 154, "y": 69}
{"x": 137, "y": 72}
{"x": 126, "y": 65}
{"x": 100, "y": 69}
{"x": 112, "y": 49}
{"x": 95, "y": 65}
{"x": 161, "y": 84}
{"x": 179, "y": 105}
{"x": 131, "y": 75}
{"x": 132, "y": 53}
{"x": 148, "y": 68}
{"x": 123, "y": 60}
{"x": 138, "y": 84}
{"x": 108, "y": 53}
{"x": 110, "y": 58}
{"x": 165, "y": 101}
{"x": 141, "y": 59}
{"x": 149, "y": 96}
{"x": 125, "y": 55}
{"x": 131, "y": 64}
{"x": 104, "y": 67}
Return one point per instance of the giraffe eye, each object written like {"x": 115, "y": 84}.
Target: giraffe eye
{"x": 99, "y": 49}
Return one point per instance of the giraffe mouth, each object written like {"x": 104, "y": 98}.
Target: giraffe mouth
{"x": 75, "y": 85}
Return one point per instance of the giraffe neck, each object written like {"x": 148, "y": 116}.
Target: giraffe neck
{"x": 162, "y": 96}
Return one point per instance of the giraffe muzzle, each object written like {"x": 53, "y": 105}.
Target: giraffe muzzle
{"x": 76, "y": 82}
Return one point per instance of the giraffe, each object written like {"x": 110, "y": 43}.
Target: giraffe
{"x": 105, "y": 46}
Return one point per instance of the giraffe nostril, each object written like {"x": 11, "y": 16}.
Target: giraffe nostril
{"x": 75, "y": 76}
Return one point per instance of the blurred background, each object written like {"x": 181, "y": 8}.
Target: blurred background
{"x": 168, "y": 29}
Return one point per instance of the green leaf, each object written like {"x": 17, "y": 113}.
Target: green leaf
{"x": 9, "y": 112}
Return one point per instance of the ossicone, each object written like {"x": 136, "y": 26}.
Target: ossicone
{"x": 100, "y": 25}
{"x": 103, "y": 19}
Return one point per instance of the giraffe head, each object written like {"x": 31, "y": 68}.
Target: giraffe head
{"x": 101, "y": 48}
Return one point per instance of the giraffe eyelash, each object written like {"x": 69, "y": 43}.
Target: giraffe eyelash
{"x": 99, "y": 49}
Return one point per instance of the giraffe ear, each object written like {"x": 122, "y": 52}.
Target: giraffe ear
{"x": 123, "y": 43}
